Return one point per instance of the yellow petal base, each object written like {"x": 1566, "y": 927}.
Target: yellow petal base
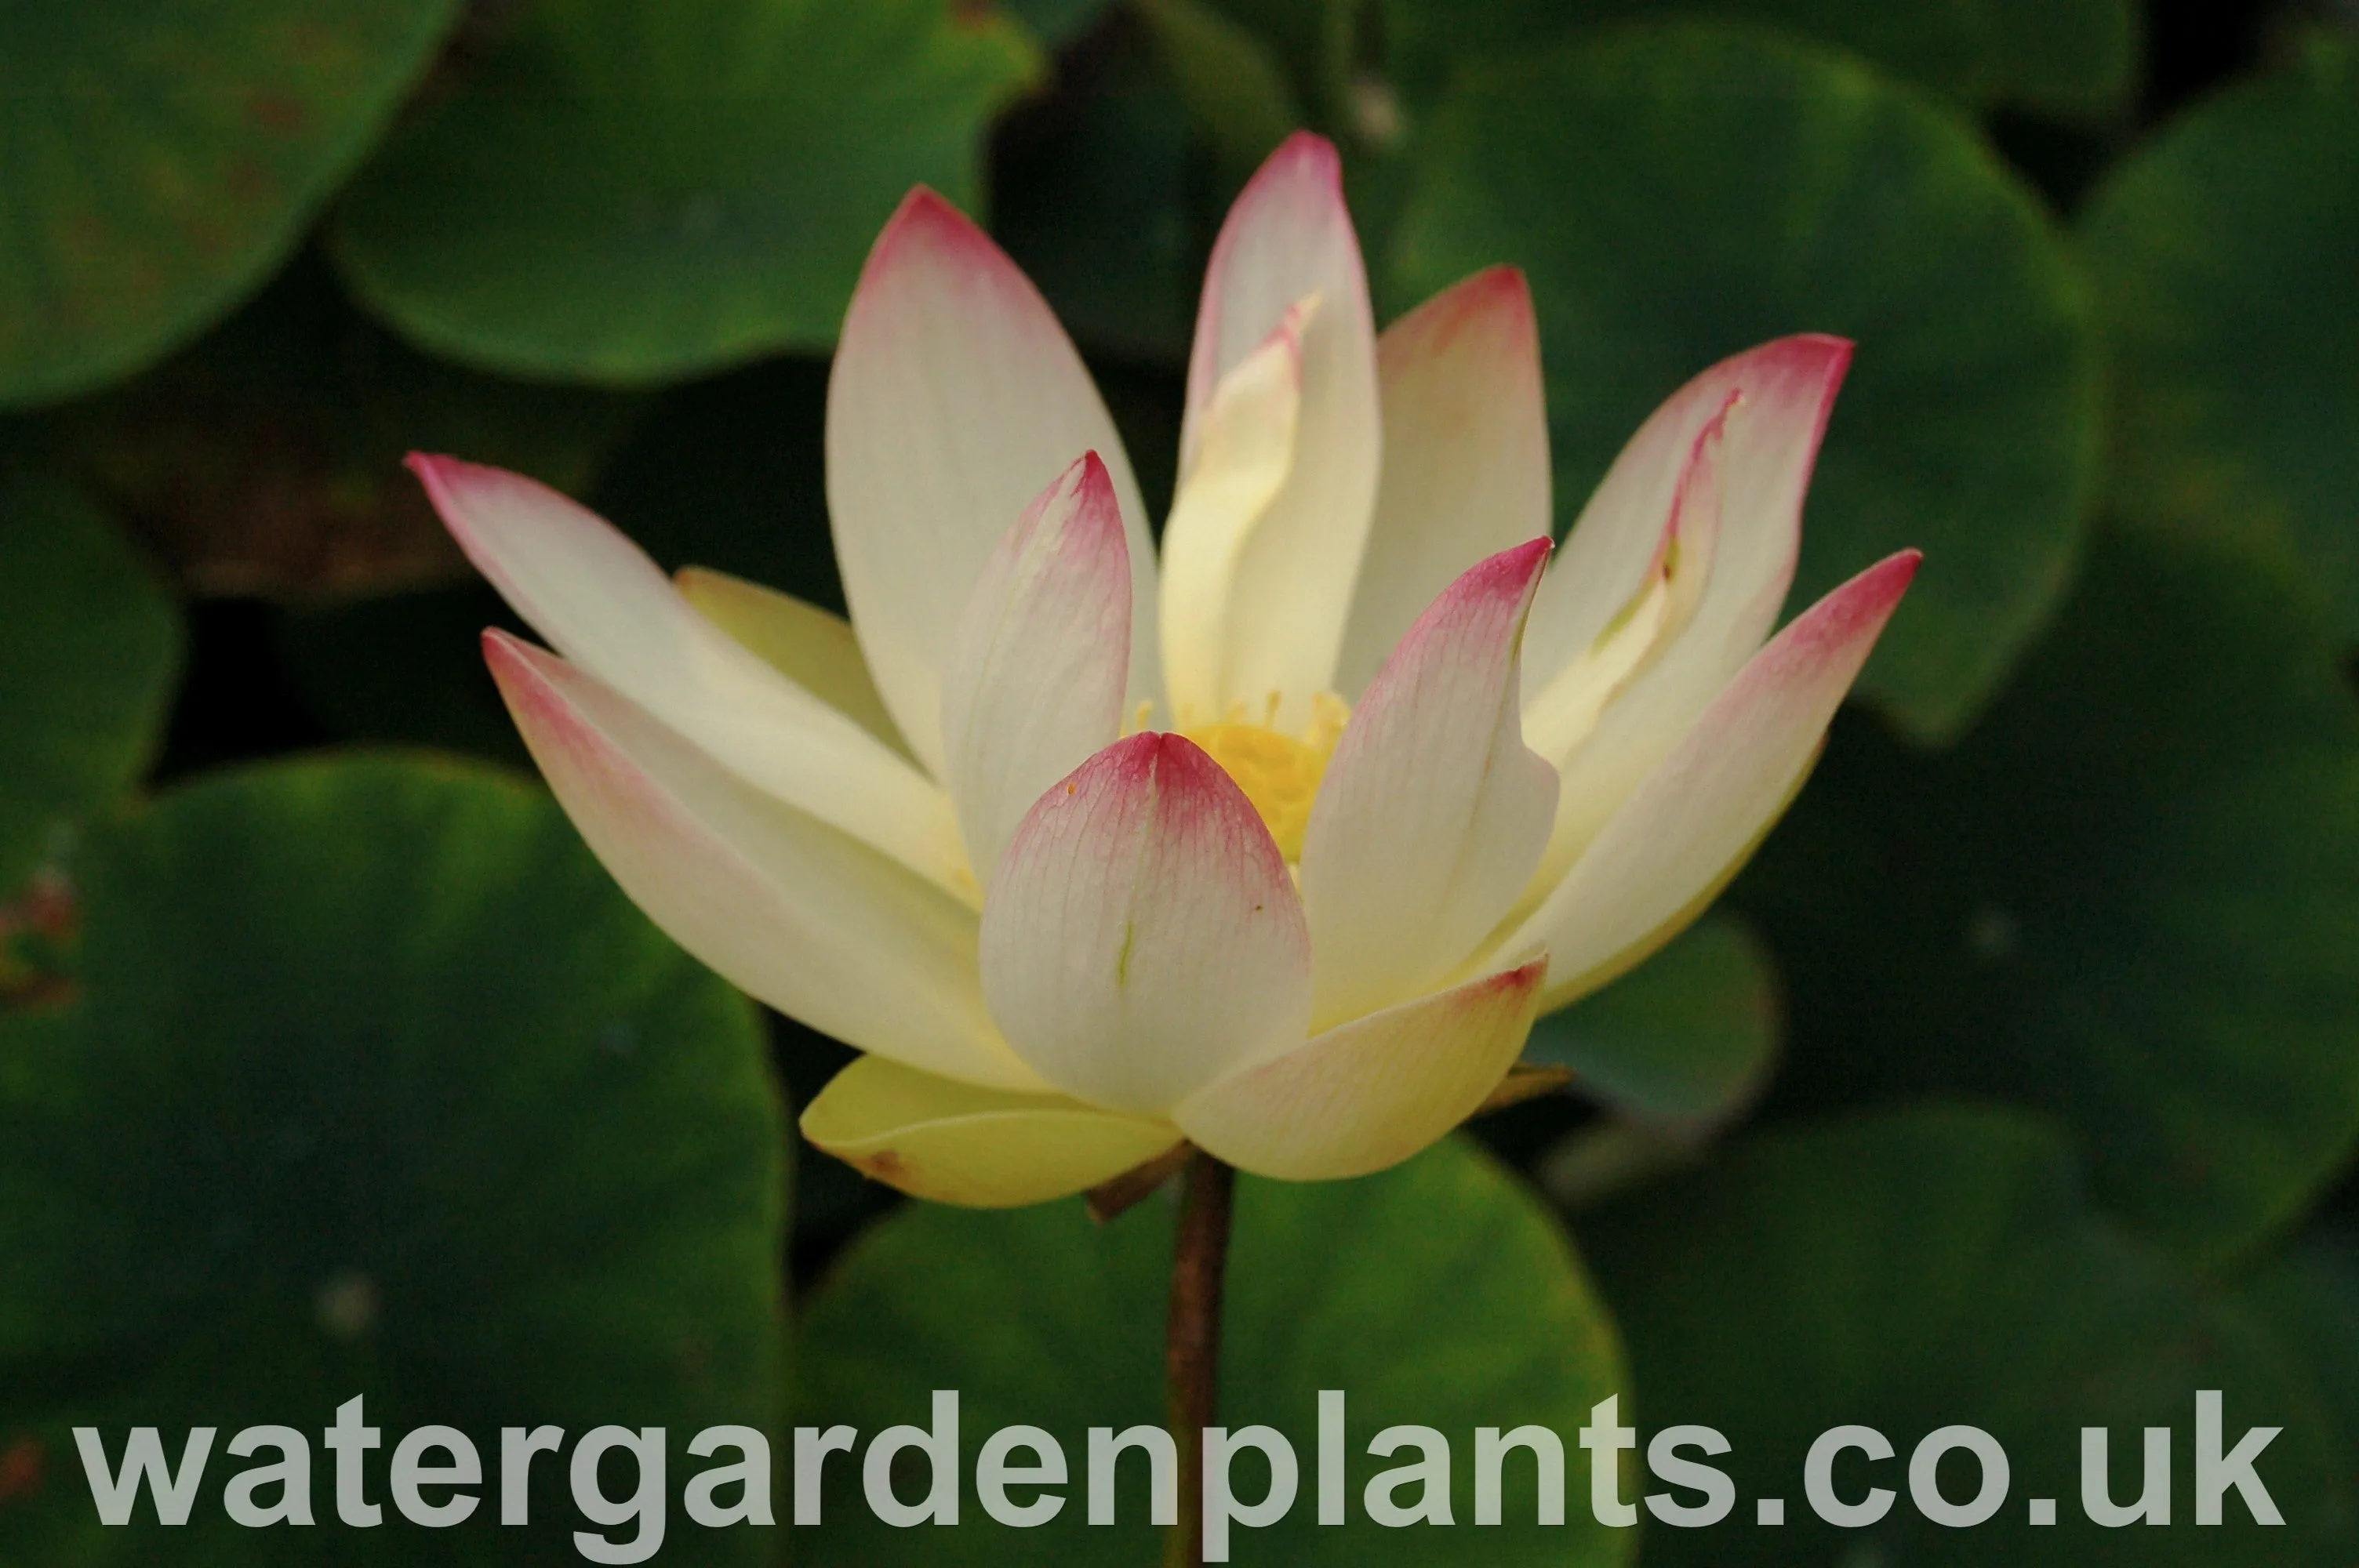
{"x": 952, "y": 1142}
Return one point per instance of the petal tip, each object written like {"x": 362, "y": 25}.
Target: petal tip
{"x": 1306, "y": 151}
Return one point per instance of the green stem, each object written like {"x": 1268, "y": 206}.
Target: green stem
{"x": 1199, "y": 1262}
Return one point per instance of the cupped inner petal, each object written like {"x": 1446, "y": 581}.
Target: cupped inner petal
{"x": 1036, "y": 674}
{"x": 1245, "y": 450}
{"x": 1142, "y": 936}
{"x": 1289, "y": 236}
{"x": 952, "y": 1142}
{"x": 1434, "y": 811}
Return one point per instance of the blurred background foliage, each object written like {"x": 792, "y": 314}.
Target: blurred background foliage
{"x": 2016, "y": 1083}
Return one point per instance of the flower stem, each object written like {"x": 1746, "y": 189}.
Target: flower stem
{"x": 1193, "y": 1352}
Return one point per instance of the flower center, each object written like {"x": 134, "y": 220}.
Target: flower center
{"x": 1278, "y": 773}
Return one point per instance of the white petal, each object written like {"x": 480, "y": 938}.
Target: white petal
{"x": 1373, "y": 1092}
{"x": 784, "y": 907}
{"x": 954, "y": 400}
{"x": 1692, "y": 822}
{"x": 601, "y": 603}
{"x": 1433, "y": 812}
{"x": 1288, "y": 237}
{"x": 1035, "y": 679}
{"x": 1142, "y": 937}
{"x": 1465, "y": 459}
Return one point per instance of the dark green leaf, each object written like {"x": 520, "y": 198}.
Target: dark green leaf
{"x": 1680, "y": 193}
{"x": 2222, "y": 254}
{"x": 375, "y": 1084}
{"x": 1227, "y": 77}
{"x": 1057, "y": 22}
{"x": 2131, "y": 899}
{"x": 1438, "y": 1294}
{"x": 89, "y": 648}
{"x": 161, "y": 156}
{"x": 2310, "y": 1299}
{"x": 2076, "y": 60}
{"x": 626, "y": 193}
{"x": 1918, "y": 1268}
{"x": 1091, "y": 196}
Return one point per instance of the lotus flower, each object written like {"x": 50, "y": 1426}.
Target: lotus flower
{"x": 1278, "y": 844}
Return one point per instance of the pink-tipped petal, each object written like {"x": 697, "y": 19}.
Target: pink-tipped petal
{"x": 1142, "y": 937}
{"x": 1289, "y": 238}
{"x": 1783, "y": 392}
{"x": 954, "y": 400}
{"x": 1036, "y": 674}
{"x": 1465, "y": 458}
{"x": 785, "y": 907}
{"x": 1787, "y": 389}
{"x": 600, "y": 601}
{"x": 1692, "y": 822}
{"x": 1374, "y": 1091}
{"x": 1433, "y": 811}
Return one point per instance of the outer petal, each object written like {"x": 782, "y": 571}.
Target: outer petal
{"x": 789, "y": 910}
{"x": 1696, "y": 818}
{"x": 1289, "y": 236}
{"x": 955, "y": 398}
{"x": 603, "y": 605}
{"x": 1142, "y": 937}
{"x": 1374, "y": 1091}
{"x": 1465, "y": 458}
{"x": 814, "y": 649}
{"x": 1433, "y": 812}
{"x": 953, "y": 1142}
{"x": 1035, "y": 679}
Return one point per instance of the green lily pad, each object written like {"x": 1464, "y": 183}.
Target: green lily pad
{"x": 2073, "y": 59}
{"x": 1679, "y": 194}
{"x": 162, "y": 157}
{"x": 1924, "y": 1267}
{"x": 374, "y": 1085}
{"x": 1057, "y": 22}
{"x": 1438, "y": 1294}
{"x": 1687, "y": 1036}
{"x": 2131, "y": 899}
{"x": 625, "y": 193}
{"x": 2309, "y": 1297}
{"x": 2221, "y": 250}
{"x": 90, "y": 650}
